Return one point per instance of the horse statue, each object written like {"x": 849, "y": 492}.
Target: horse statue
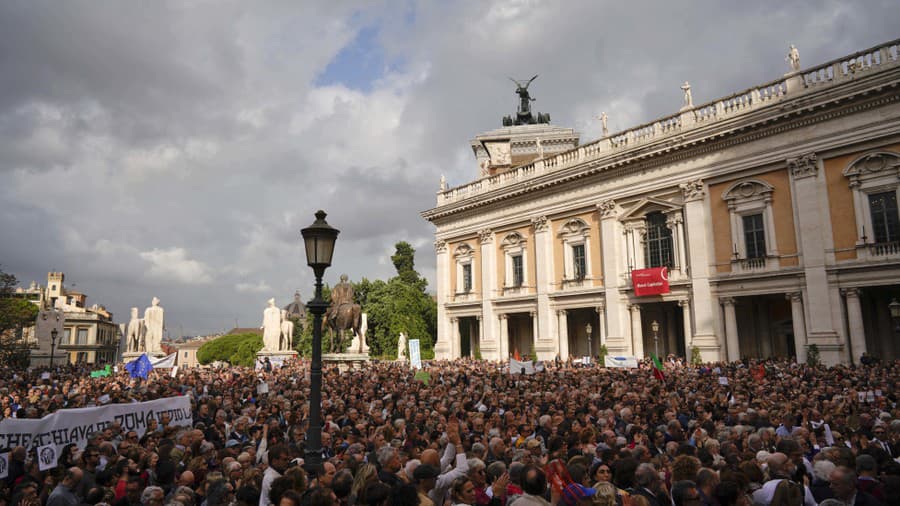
{"x": 348, "y": 317}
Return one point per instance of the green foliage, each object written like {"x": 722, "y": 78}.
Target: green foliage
{"x": 601, "y": 354}
{"x": 398, "y": 305}
{"x": 237, "y": 349}
{"x": 15, "y": 315}
{"x": 696, "y": 357}
{"x": 404, "y": 260}
{"x": 303, "y": 334}
{"x": 812, "y": 355}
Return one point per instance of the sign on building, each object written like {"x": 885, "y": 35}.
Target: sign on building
{"x": 652, "y": 281}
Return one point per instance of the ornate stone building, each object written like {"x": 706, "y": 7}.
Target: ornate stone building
{"x": 773, "y": 211}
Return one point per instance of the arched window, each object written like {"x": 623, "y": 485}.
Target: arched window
{"x": 658, "y": 245}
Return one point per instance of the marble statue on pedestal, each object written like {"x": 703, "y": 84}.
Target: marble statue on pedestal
{"x": 358, "y": 344}
{"x": 604, "y": 122}
{"x": 287, "y": 332}
{"x": 271, "y": 327}
{"x": 135, "y": 332}
{"x": 793, "y": 58}
{"x": 401, "y": 348}
{"x": 688, "y": 98}
{"x": 154, "y": 325}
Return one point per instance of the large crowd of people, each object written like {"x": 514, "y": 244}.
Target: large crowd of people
{"x": 471, "y": 433}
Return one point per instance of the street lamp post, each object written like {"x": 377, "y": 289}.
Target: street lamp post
{"x": 319, "y": 239}
{"x": 655, "y": 328}
{"x": 53, "y": 334}
{"x": 894, "y": 306}
{"x": 588, "y": 329}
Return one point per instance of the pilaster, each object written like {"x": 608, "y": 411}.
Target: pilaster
{"x": 504, "y": 337}
{"x": 544, "y": 320}
{"x": 442, "y": 274}
{"x": 699, "y": 246}
{"x": 491, "y": 346}
{"x": 562, "y": 317}
{"x": 637, "y": 332}
{"x": 731, "y": 330}
{"x": 616, "y": 312}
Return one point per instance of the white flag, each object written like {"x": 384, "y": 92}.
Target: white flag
{"x": 175, "y": 371}
{"x": 4, "y": 465}
{"x": 47, "y": 457}
{"x": 167, "y": 362}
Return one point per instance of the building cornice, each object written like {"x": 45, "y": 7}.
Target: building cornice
{"x": 770, "y": 109}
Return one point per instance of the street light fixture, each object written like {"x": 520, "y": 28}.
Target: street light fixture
{"x": 53, "y": 335}
{"x": 588, "y": 328}
{"x": 319, "y": 239}
{"x": 654, "y": 326}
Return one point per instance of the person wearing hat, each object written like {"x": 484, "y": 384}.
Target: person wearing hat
{"x": 425, "y": 477}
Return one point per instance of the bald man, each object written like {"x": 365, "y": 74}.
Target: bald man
{"x": 64, "y": 493}
{"x": 445, "y": 479}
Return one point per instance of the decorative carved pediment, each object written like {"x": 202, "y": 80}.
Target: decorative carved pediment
{"x": 463, "y": 250}
{"x": 512, "y": 240}
{"x": 748, "y": 189}
{"x": 649, "y": 205}
{"x": 575, "y": 226}
{"x": 874, "y": 163}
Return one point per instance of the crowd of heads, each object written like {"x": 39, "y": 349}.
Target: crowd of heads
{"x": 772, "y": 432}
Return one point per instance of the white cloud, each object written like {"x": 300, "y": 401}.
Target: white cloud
{"x": 173, "y": 264}
{"x": 258, "y": 287}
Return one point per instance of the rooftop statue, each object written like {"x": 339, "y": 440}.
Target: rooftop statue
{"x": 524, "y": 115}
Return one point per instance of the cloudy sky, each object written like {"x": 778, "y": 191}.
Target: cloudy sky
{"x": 176, "y": 149}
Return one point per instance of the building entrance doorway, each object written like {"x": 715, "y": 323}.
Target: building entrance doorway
{"x": 521, "y": 334}
{"x": 669, "y": 337}
{"x": 579, "y": 338}
{"x": 765, "y": 326}
{"x": 881, "y": 329}
{"x": 468, "y": 336}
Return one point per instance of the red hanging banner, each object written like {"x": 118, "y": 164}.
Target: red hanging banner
{"x": 652, "y": 281}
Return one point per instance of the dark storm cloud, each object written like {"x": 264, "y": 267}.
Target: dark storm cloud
{"x": 176, "y": 149}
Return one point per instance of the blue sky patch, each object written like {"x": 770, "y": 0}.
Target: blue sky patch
{"x": 359, "y": 64}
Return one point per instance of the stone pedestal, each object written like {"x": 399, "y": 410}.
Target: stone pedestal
{"x": 346, "y": 361}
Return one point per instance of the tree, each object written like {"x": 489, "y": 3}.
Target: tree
{"x": 399, "y": 305}
{"x": 236, "y": 349}
{"x": 15, "y": 314}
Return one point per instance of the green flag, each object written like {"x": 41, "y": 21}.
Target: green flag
{"x": 102, "y": 373}
{"x": 657, "y": 368}
{"x": 423, "y": 376}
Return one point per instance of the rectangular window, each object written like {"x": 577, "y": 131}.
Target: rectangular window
{"x": 67, "y": 336}
{"x": 885, "y": 219}
{"x": 518, "y": 272}
{"x": 467, "y": 278}
{"x": 579, "y": 264}
{"x": 82, "y": 336}
{"x": 754, "y": 236}
{"x": 185, "y": 354}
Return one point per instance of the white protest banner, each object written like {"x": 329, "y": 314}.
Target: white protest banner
{"x": 415, "y": 356}
{"x": 175, "y": 371}
{"x": 77, "y": 425}
{"x": 45, "y": 375}
{"x": 629, "y": 362}
{"x": 166, "y": 362}
{"x": 47, "y": 457}
{"x": 723, "y": 380}
{"x": 4, "y": 465}
{"x": 519, "y": 367}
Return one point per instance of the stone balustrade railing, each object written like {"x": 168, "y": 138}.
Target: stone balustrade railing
{"x": 828, "y": 74}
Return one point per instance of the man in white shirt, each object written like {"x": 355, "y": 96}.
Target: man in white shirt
{"x": 278, "y": 464}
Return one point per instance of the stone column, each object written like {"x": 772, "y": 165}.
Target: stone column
{"x": 488, "y": 285}
{"x": 534, "y": 333}
{"x": 480, "y": 333}
{"x": 563, "y": 325}
{"x": 455, "y": 348}
{"x": 800, "y": 338}
{"x": 855, "y": 324}
{"x": 731, "y": 330}
{"x": 444, "y": 290}
{"x": 601, "y": 324}
{"x": 811, "y": 204}
{"x": 544, "y": 343}
{"x": 688, "y": 334}
{"x": 637, "y": 332}
{"x": 613, "y": 268}
{"x": 504, "y": 337}
{"x": 699, "y": 228}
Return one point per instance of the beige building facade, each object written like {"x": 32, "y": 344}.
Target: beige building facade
{"x": 773, "y": 211}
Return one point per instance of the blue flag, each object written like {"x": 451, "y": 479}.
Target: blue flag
{"x": 140, "y": 367}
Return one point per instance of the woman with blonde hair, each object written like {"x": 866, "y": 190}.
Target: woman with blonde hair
{"x": 366, "y": 474}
